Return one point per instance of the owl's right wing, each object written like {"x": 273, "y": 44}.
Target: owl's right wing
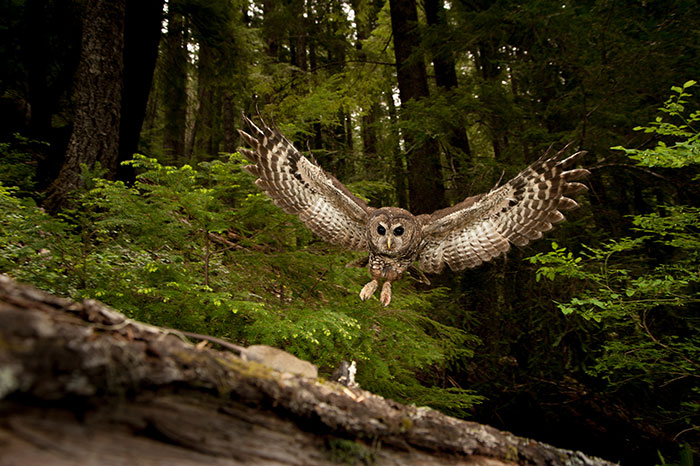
{"x": 482, "y": 227}
{"x": 301, "y": 187}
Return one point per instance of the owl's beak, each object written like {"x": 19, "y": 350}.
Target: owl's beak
{"x": 388, "y": 242}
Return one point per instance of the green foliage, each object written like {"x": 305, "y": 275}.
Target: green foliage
{"x": 38, "y": 247}
{"x": 686, "y": 457}
{"x": 374, "y": 192}
{"x": 203, "y": 250}
{"x": 17, "y": 164}
{"x": 644, "y": 291}
{"x": 342, "y": 451}
{"x": 685, "y": 134}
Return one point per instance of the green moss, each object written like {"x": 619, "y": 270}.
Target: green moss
{"x": 8, "y": 381}
{"x": 512, "y": 453}
{"x": 343, "y": 451}
{"x": 406, "y": 424}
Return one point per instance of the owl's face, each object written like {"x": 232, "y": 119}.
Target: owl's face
{"x": 392, "y": 231}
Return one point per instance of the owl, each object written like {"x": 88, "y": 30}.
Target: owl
{"x": 463, "y": 236}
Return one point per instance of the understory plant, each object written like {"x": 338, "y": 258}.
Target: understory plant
{"x": 203, "y": 250}
{"x": 642, "y": 292}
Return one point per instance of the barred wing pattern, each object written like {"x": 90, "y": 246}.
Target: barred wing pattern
{"x": 301, "y": 187}
{"x": 482, "y": 227}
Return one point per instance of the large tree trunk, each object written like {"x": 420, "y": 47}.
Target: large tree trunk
{"x": 230, "y": 117}
{"x": 175, "y": 87}
{"x": 426, "y": 191}
{"x": 50, "y": 55}
{"x": 398, "y": 159}
{"x": 298, "y": 34}
{"x": 486, "y": 62}
{"x": 82, "y": 384}
{"x": 142, "y": 30}
{"x": 458, "y": 152}
{"x": 443, "y": 58}
{"x": 370, "y": 141}
{"x": 203, "y": 134}
{"x": 99, "y": 81}
{"x": 366, "y": 19}
{"x": 271, "y": 34}
{"x": 35, "y": 43}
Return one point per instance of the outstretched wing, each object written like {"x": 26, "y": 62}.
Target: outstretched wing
{"x": 302, "y": 188}
{"x": 482, "y": 227}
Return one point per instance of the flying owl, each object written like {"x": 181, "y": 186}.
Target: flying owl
{"x": 465, "y": 235}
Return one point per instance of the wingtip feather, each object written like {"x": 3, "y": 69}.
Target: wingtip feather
{"x": 575, "y": 174}
{"x": 252, "y": 169}
{"x": 567, "y": 204}
{"x": 575, "y": 188}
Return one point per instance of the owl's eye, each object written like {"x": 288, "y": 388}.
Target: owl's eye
{"x": 398, "y": 231}
{"x": 381, "y": 230}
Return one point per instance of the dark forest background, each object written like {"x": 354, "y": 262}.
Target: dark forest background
{"x": 587, "y": 339}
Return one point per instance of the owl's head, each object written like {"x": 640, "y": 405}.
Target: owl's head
{"x": 392, "y": 231}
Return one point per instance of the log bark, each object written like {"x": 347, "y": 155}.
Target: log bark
{"x": 82, "y": 384}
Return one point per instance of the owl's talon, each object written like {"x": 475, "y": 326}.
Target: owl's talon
{"x": 368, "y": 290}
{"x": 385, "y": 296}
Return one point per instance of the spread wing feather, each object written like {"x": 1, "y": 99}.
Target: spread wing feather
{"x": 482, "y": 227}
{"x": 301, "y": 187}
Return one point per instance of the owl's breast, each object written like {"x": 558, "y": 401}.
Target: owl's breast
{"x": 388, "y": 267}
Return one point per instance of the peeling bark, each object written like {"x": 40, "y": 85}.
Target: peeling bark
{"x": 82, "y": 384}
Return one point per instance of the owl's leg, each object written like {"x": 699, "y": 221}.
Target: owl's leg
{"x": 368, "y": 290}
{"x": 385, "y": 296}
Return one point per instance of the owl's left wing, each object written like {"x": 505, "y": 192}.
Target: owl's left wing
{"x": 301, "y": 187}
{"x": 482, "y": 227}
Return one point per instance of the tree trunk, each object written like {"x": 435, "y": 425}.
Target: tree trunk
{"x": 349, "y": 154}
{"x": 230, "y": 116}
{"x": 485, "y": 58}
{"x": 370, "y": 141}
{"x": 298, "y": 32}
{"x": 50, "y": 55}
{"x": 271, "y": 34}
{"x": 203, "y": 136}
{"x": 458, "y": 153}
{"x": 175, "y": 87}
{"x": 426, "y": 191}
{"x": 142, "y": 30}
{"x": 398, "y": 158}
{"x": 366, "y": 19}
{"x": 99, "y": 82}
{"x": 443, "y": 59}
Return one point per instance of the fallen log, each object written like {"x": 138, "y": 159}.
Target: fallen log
{"x": 82, "y": 384}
